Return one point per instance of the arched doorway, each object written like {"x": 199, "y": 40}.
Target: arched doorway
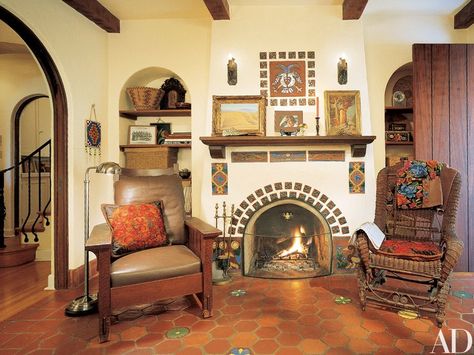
{"x": 60, "y": 170}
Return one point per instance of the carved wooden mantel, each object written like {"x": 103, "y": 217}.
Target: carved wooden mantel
{"x": 218, "y": 144}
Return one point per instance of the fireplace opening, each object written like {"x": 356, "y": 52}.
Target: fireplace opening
{"x": 287, "y": 239}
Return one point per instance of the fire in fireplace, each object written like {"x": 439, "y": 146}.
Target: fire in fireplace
{"x": 288, "y": 239}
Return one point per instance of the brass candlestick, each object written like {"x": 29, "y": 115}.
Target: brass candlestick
{"x": 317, "y": 125}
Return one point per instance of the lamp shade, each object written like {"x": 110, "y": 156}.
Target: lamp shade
{"x": 108, "y": 168}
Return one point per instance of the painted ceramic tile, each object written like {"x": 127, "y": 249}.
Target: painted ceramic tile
{"x": 311, "y": 64}
{"x": 356, "y": 177}
{"x": 282, "y": 55}
{"x": 344, "y": 260}
{"x": 287, "y": 78}
{"x": 284, "y": 156}
{"x": 326, "y": 155}
{"x": 263, "y": 55}
{"x": 219, "y": 179}
{"x": 249, "y": 157}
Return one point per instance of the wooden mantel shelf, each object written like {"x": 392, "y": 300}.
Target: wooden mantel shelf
{"x": 217, "y": 144}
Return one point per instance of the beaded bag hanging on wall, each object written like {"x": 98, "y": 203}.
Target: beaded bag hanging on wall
{"x": 93, "y": 134}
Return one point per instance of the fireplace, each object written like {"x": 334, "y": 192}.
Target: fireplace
{"x": 287, "y": 239}
{"x": 288, "y": 230}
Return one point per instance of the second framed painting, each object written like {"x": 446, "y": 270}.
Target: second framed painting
{"x": 342, "y": 109}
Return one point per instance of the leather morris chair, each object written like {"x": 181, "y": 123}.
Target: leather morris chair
{"x": 420, "y": 248}
{"x": 181, "y": 267}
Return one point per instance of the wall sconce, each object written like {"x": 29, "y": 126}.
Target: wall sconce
{"x": 232, "y": 72}
{"x": 342, "y": 71}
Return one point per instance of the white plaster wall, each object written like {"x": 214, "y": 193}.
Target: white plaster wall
{"x": 173, "y": 46}
{"x": 253, "y": 29}
{"x": 388, "y": 45}
{"x": 79, "y": 49}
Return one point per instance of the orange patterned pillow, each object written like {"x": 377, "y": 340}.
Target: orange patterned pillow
{"x": 135, "y": 227}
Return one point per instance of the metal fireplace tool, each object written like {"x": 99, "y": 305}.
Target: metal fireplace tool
{"x": 222, "y": 252}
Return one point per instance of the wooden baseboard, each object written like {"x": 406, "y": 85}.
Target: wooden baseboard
{"x": 76, "y": 276}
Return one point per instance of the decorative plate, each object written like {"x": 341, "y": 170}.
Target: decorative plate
{"x": 398, "y": 98}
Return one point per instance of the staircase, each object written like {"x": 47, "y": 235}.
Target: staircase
{"x": 21, "y": 247}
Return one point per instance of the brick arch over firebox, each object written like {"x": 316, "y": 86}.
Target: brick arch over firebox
{"x": 289, "y": 190}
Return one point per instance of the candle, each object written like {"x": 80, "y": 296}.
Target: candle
{"x": 317, "y": 106}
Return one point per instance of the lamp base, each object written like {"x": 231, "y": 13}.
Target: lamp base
{"x": 223, "y": 281}
{"x": 82, "y": 306}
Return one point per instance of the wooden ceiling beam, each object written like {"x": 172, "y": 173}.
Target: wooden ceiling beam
{"x": 97, "y": 13}
{"x": 219, "y": 9}
{"x": 353, "y": 9}
{"x": 465, "y": 17}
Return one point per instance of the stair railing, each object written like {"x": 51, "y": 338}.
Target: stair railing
{"x": 31, "y": 162}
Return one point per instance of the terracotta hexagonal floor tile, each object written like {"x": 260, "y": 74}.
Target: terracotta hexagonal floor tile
{"x": 425, "y": 338}
{"x": 288, "y": 351}
{"x": 309, "y": 320}
{"x": 289, "y": 339}
{"x": 382, "y": 338}
{"x": 189, "y": 351}
{"x": 194, "y": 339}
{"x": 160, "y": 327}
{"x": 373, "y": 325}
{"x": 117, "y": 348}
{"x": 329, "y": 313}
{"x": 249, "y": 314}
{"x": 168, "y": 346}
{"x": 288, "y": 326}
{"x": 267, "y": 332}
{"x": 335, "y": 339}
{"x": 339, "y": 351}
{"x": 217, "y": 346}
{"x": 361, "y": 346}
{"x": 418, "y": 325}
{"x": 133, "y": 333}
{"x": 265, "y": 346}
{"x": 149, "y": 340}
{"x": 312, "y": 346}
{"x": 409, "y": 346}
{"x": 186, "y": 320}
{"x": 458, "y": 324}
{"x": 222, "y": 331}
{"x": 268, "y": 320}
{"x": 389, "y": 351}
{"x": 245, "y": 326}
{"x": 243, "y": 339}
{"x": 332, "y": 325}
{"x": 235, "y": 309}
{"x": 289, "y": 315}
{"x": 141, "y": 352}
{"x": 203, "y": 326}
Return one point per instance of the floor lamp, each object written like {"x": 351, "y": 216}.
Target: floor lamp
{"x": 87, "y": 303}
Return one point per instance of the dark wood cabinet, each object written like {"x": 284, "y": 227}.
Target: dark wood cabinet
{"x": 443, "y": 106}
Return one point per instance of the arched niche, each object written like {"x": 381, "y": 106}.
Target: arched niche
{"x": 154, "y": 77}
{"x": 402, "y": 77}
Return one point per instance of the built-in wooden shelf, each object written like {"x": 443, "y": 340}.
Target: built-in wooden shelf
{"x": 399, "y": 109}
{"x": 218, "y": 144}
{"x": 399, "y": 143}
{"x": 154, "y": 146}
{"x": 133, "y": 114}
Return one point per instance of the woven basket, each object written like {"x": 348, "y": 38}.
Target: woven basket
{"x": 145, "y": 98}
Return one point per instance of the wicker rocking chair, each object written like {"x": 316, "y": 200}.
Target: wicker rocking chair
{"x": 415, "y": 282}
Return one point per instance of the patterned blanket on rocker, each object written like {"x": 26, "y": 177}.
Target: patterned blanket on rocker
{"x": 419, "y": 185}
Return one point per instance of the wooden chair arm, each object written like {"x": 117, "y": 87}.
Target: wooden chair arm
{"x": 201, "y": 235}
{"x": 100, "y": 238}
{"x": 202, "y": 228}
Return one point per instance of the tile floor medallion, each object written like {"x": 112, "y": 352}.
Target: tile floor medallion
{"x": 282, "y": 317}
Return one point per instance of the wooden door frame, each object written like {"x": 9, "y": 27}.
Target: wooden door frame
{"x": 60, "y": 170}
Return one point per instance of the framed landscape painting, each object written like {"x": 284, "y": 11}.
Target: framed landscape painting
{"x": 342, "y": 110}
{"x": 238, "y": 114}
